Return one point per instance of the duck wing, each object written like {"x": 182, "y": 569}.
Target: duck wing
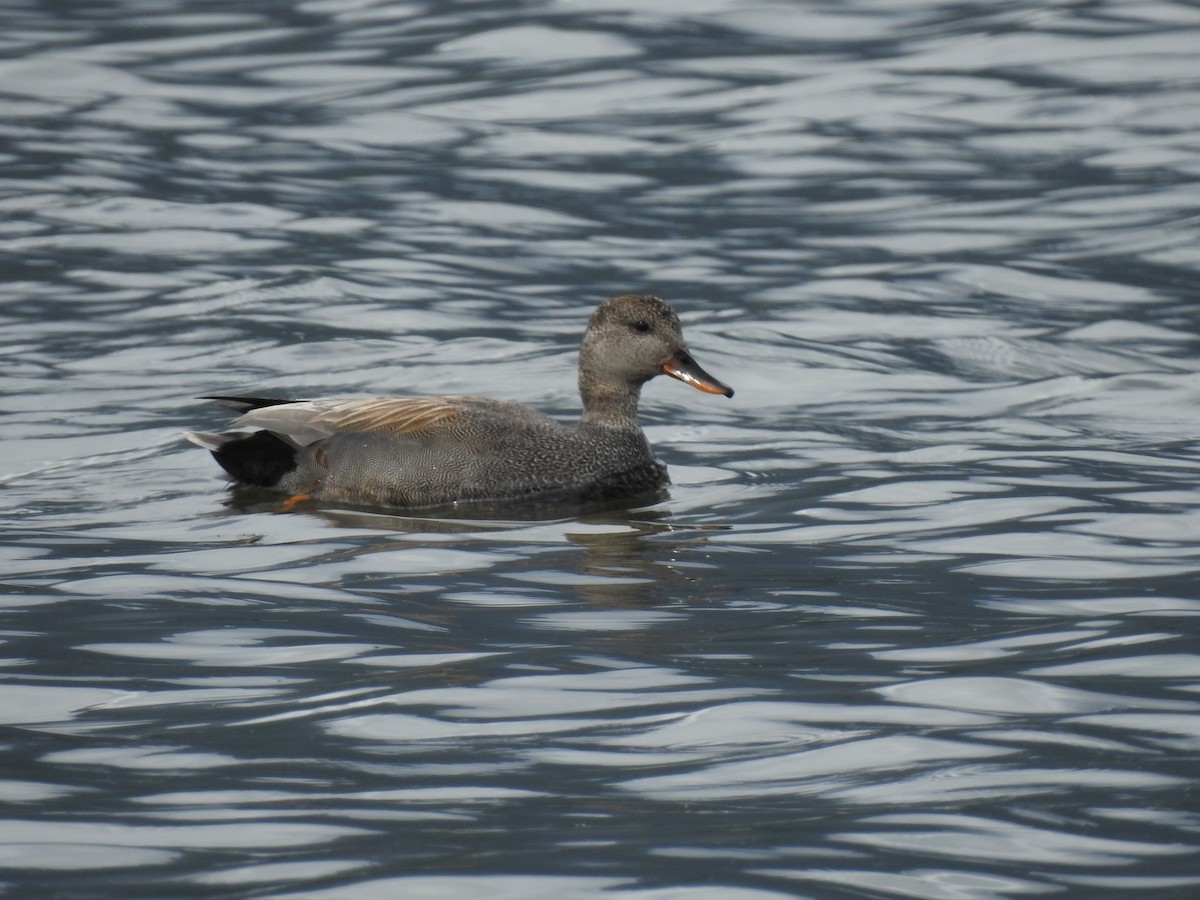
{"x": 307, "y": 421}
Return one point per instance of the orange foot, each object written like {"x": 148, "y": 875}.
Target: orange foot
{"x": 290, "y": 504}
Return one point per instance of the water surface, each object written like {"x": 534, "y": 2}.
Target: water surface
{"x": 918, "y": 618}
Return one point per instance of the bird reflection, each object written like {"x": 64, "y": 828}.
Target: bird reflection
{"x": 629, "y": 557}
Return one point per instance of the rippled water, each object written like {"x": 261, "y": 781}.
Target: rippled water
{"x": 919, "y": 617}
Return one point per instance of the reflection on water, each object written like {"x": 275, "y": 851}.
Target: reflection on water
{"x": 916, "y": 618}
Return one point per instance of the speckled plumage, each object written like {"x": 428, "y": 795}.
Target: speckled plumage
{"x": 414, "y": 452}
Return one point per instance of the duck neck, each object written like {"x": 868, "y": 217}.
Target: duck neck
{"x": 610, "y": 405}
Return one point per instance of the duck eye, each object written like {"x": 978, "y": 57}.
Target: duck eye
{"x": 640, "y": 326}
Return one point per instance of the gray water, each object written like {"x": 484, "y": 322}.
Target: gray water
{"x": 919, "y": 617}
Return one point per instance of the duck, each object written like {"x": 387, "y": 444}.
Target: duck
{"x": 420, "y": 452}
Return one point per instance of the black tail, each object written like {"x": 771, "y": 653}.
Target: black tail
{"x": 245, "y": 404}
{"x": 261, "y": 458}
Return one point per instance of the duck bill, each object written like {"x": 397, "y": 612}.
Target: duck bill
{"x": 687, "y": 370}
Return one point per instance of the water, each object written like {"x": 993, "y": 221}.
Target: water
{"x": 918, "y": 618}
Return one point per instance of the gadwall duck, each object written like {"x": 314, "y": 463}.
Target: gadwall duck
{"x": 413, "y": 452}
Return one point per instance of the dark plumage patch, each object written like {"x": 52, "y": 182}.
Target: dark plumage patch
{"x": 245, "y": 404}
{"x": 261, "y": 458}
